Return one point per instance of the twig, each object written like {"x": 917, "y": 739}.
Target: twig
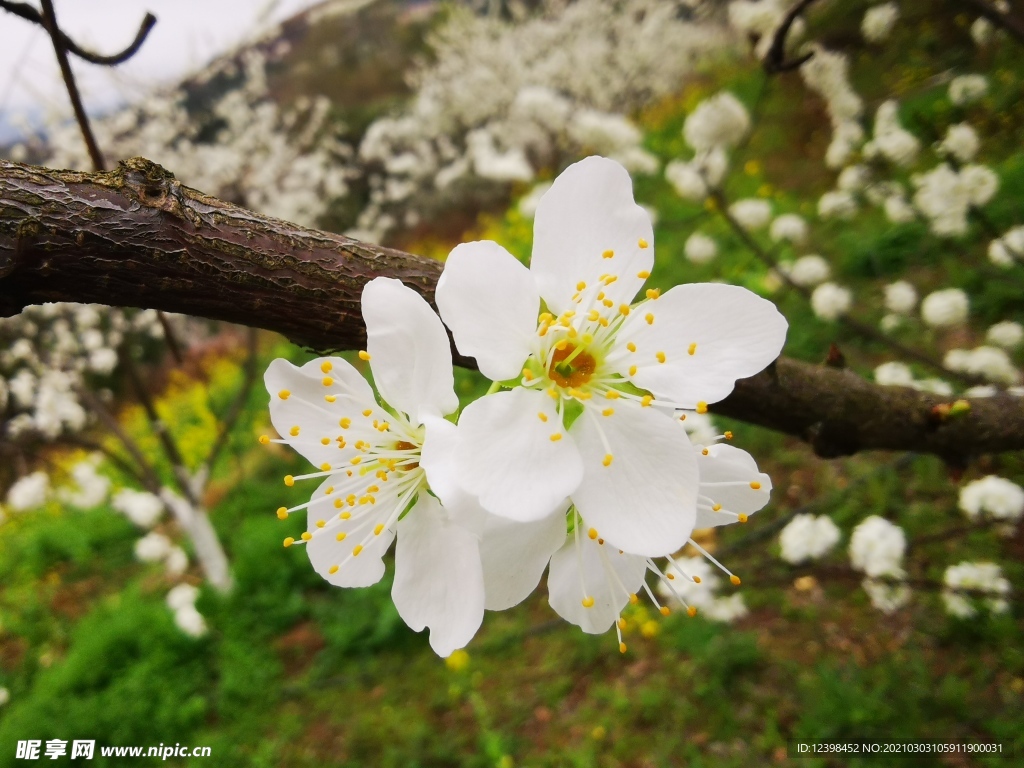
{"x": 1002, "y": 20}
{"x": 775, "y": 60}
{"x": 27, "y": 12}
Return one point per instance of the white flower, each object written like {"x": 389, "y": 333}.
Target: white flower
{"x": 572, "y": 424}
{"x": 92, "y": 487}
{"x": 961, "y": 142}
{"x": 944, "y": 308}
{"x": 837, "y": 204}
{"x": 877, "y": 546}
{"x": 991, "y": 362}
{"x": 700, "y": 249}
{"x": 980, "y": 577}
{"x": 190, "y": 621}
{"x": 980, "y": 182}
{"x": 29, "y": 492}
{"x": 878, "y": 22}
{"x": 967, "y": 88}
{"x": 1000, "y": 498}
{"x": 176, "y": 562}
{"x": 809, "y": 270}
{"x": 898, "y": 210}
{"x": 1008, "y": 249}
{"x": 695, "y": 580}
{"x": 888, "y": 598}
{"x": 182, "y": 596}
{"x": 376, "y": 464}
{"x": 686, "y": 179}
{"x": 854, "y": 178}
{"x": 789, "y": 227}
{"x": 944, "y": 197}
{"x": 830, "y": 301}
{"x": 1007, "y": 334}
{"x": 141, "y": 507}
{"x": 890, "y": 139}
{"x": 152, "y": 548}
{"x": 894, "y": 374}
{"x": 720, "y": 121}
{"x": 981, "y": 31}
{"x": 751, "y": 213}
{"x": 900, "y": 297}
{"x": 807, "y": 537}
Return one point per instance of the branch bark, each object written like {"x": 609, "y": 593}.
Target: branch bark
{"x": 136, "y": 237}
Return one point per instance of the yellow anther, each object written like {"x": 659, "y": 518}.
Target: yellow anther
{"x": 664, "y": 610}
{"x": 727, "y": 435}
{"x": 327, "y": 381}
{"x": 735, "y": 580}
{"x": 345, "y": 423}
{"x": 264, "y": 439}
{"x": 609, "y": 279}
{"x": 364, "y": 355}
{"x": 682, "y": 417}
{"x": 325, "y": 441}
{"x": 702, "y": 407}
{"x": 670, "y": 576}
{"x": 692, "y": 349}
{"x": 588, "y": 602}
{"x": 755, "y": 485}
{"x": 646, "y": 400}
{"x": 607, "y": 411}
{"x": 289, "y": 541}
{"x": 607, "y": 460}
{"x": 341, "y": 536}
{"x": 542, "y": 331}
{"x": 592, "y": 533}
{"x": 330, "y": 398}
{"x": 562, "y": 344}
{"x": 624, "y": 309}
{"x": 383, "y": 427}
{"x": 603, "y": 322}
{"x": 556, "y": 437}
{"x": 546, "y": 317}
{"x": 632, "y": 370}
{"x": 378, "y": 528}
{"x": 716, "y": 507}
{"x": 345, "y": 515}
{"x": 653, "y": 293}
{"x": 696, "y": 579}
{"x": 357, "y": 459}
{"x": 306, "y": 535}
{"x": 373, "y": 489}
{"x": 572, "y": 333}
{"x": 321, "y": 523}
{"x": 622, "y": 647}
{"x": 325, "y": 467}
{"x": 601, "y": 542}
{"x": 338, "y": 502}
{"x": 600, "y": 296}
{"x": 649, "y": 318}
{"x": 326, "y": 366}
{"x": 621, "y": 622}
{"x": 341, "y": 441}
{"x": 580, "y": 285}
{"x": 332, "y": 570}
{"x": 356, "y": 550}
{"x": 608, "y": 254}
{"x": 289, "y": 480}
{"x": 742, "y": 518}
{"x": 294, "y": 431}
{"x": 633, "y": 599}
{"x": 612, "y": 394}
{"x": 367, "y": 412}
{"x": 643, "y": 274}
{"x": 592, "y": 315}
{"x": 642, "y": 243}
{"x": 608, "y": 303}
{"x": 527, "y": 374}
{"x": 282, "y": 513}
{"x": 631, "y": 346}
{"x": 691, "y": 611}
{"x": 552, "y": 392}
{"x": 660, "y": 356}
{"x": 705, "y": 452}
{"x": 284, "y": 394}
{"x": 586, "y": 338}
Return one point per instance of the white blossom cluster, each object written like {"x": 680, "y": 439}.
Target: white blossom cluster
{"x": 808, "y": 537}
{"x": 182, "y": 602}
{"x": 29, "y": 492}
{"x": 697, "y": 581}
{"x": 1007, "y": 250}
{"x": 897, "y": 374}
{"x": 878, "y": 22}
{"x": 90, "y": 488}
{"x": 991, "y": 363}
{"x": 993, "y": 497}
{"x": 760, "y": 19}
{"x": 714, "y": 127}
{"x": 877, "y": 547}
{"x": 986, "y": 578}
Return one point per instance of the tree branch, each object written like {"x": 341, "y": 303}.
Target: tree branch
{"x": 1005, "y": 21}
{"x": 775, "y": 60}
{"x": 136, "y": 237}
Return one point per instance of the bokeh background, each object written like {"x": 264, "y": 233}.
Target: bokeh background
{"x": 421, "y": 125}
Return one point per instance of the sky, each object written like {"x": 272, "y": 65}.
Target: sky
{"x": 187, "y": 35}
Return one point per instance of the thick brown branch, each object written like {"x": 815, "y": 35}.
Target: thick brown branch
{"x": 136, "y": 237}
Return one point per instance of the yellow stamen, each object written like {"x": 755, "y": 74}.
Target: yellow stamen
{"x": 332, "y": 570}
{"x": 735, "y": 580}
{"x": 716, "y": 508}
{"x": 664, "y": 610}
{"x": 755, "y": 485}
{"x": 306, "y": 535}
{"x": 631, "y": 346}
{"x": 660, "y": 356}
{"x": 356, "y": 550}
{"x": 556, "y": 437}
{"x": 632, "y": 370}
{"x": 696, "y": 579}
{"x": 633, "y": 599}
{"x": 592, "y": 533}
{"x": 624, "y": 309}
{"x": 580, "y": 285}
{"x": 289, "y": 541}
{"x": 325, "y": 467}
{"x": 330, "y": 398}
{"x": 646, "y": 400}
{"x": 364, "y": 355}
{"x": 325, "y": 441}
{"x": 321, "y": 523}
{"x": 607, "y": 255}
{"x": 294, "y": 431}
{"x": 643, "y": 274}
{"x": 693, "y": 349}
{"x": 542, "y": 416}
{"x": 642, "y": 243}
{"x": 653, "y": 293}
{"x": 691, "y": 611}
{"x": 611, "y": 394}
{"x": 622, "y": 647}
{"x": 345, "y": 423}
{"x": 378, "y": 528}
{"x": 326, "y": 366}
{"x": 607, "y": 460}
{"x": 702, "y": 407}
{"x": 649, "y": 318}
{"x": 588, "y": 602}
{"x": 607, "y": 411}
{"x": 727, "y": 435}
{"x": 264, "y": 439}
{"x": 327, "y": 381}
{"x": 367, "y": 412}
{"x": 527, "y": 374}
{"x": 705, "y": 452}
{"x": 284, "y": 394}
{"x": 341, "y": 536}
{"x": 742, "y": 518}
{"x": 282, "y": 513}
{"x": 289, "y": 480}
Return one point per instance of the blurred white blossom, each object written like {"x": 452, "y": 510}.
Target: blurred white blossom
{"x": 877, "y": 546}
{"x": 808, "y": 537}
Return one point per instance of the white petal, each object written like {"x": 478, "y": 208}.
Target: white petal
{"x": 410, "y": 354}
{"x": 439, "y": 582}
{"x": 583, "y": 568}
{"x": 733, "y": 334}
{"x": 438, "y": 461}
{"x": 736, "y": 468}
{"x": 514, "y": 556}
{"x": 304, "y": 406}
{"x": 489, "y": 301}
{"x": 590, "y": 210}
{"x": 644, "y": 501}
{"x": 324, "y": 549}
{"x": 507, "y": 459}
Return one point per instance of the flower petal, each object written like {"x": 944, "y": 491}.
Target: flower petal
{"x": 726, "y": 473}
{"x": 303, "y": 404}
{"x": 490, "y": 303}
{"x": 514, "y": 556}
{"x": 589, "y": 212}
{"x": 508, "y": 460}
{"x": 583, "y": 569}
{"x": 326, "y": 551}
{"x": 439, "y": 582}
{"x": 410, "y": 354}
{"x": 644, "y": 500}
{"x": 709, "y": 335}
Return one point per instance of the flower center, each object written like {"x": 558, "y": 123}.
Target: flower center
{"x": 403, "y": 445}
{"x": 571, "y": 366}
